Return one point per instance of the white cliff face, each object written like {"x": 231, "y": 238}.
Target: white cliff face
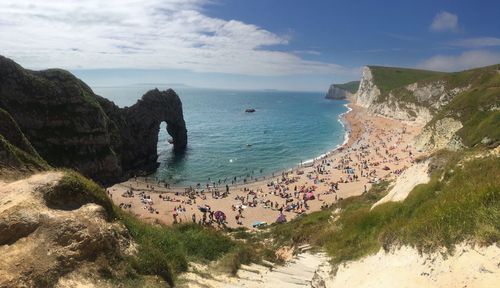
{"x": 403, "y": 111}
{"x": 417, "y": 103}
{"x": 367, "y": 91}
{"x": 428, "y": 97}
{"x": 337, "y": 93}
{"x": 435, "y": 93}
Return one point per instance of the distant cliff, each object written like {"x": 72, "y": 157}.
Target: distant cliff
{"x": 342, "y": 91}
{"x": 457, "y": 109}
{"x": 69, "y": 126}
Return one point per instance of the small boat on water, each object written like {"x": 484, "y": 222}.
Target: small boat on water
{"x": 250, "y": 110}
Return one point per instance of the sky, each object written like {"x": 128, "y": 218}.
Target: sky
{"x": 239, "y": 44}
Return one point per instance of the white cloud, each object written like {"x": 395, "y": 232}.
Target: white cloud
{"x": 148, "y": 34}
{"x": 466, "y": 60}
{"x": 477, "y": 42}
{"x": 445, "y": 21}
{"x": 308, "y": 52}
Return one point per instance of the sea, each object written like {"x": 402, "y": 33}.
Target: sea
{"x": 287, "y": 129}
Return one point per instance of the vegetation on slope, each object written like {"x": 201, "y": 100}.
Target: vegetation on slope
{"x": 352, "y": 86}
{"x": 161, "y": 250}
{"x": 16, "y": 153}
{"x": 460, "y": 203}
{"x": 12, "y": 133}
{"x": 476, "y": 108}
{"x": 15, "y": 162}
{"x": 388, "y": 78}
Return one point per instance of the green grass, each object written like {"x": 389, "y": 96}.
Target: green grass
{"x": 12, "y": 133}
{"x": 74, "y": 190}
{"x": 388, "y": 78}
{"x": 476, "y": 108}
{"x": 462, "y": 206}
{"x": 16, "y": 152}
{"x": 352, "y": 86}
{"x": 162, "y": 250}
{"x": 15, "y": 158}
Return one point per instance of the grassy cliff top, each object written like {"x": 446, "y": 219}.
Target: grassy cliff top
{"x": 388, "y": 78}
{"x": 349, "y": 86}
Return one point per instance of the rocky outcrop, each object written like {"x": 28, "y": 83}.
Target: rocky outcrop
{"x": 40, "y": 242}
{"x": 392, "y": 106}
{"x": 368, "y": 90}
{"x": 336, "y": 93}
{"x": 70, "y": 126}
{"x": 404, "y": 111}
{"x": 342, "y": 91}
{"x": 416, "y": 102}
{"x": 439, "y": 135}
{"x": 434, "y": 94}
{"x": 132, "y": 125}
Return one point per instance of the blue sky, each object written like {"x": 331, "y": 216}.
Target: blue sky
{"x": 257, "y": 44}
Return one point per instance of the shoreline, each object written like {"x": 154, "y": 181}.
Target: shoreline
{"x": 332, "y": 176}
{"x": 347, "y": 134}
{"x": 342, "y": 119}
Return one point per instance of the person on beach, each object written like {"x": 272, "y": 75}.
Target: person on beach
{"x": 238, "y": 219}
{"x": 175, "y": 214}
{"x": 344, "y": 173}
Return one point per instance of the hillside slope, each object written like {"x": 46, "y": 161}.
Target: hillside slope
{"x": 17, "y": 156}
{"x": 458, "y": 109}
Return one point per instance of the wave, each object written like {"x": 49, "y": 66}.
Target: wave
{"x": 347, "y": 129}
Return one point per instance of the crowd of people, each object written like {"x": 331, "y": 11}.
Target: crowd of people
{"x": 376, "y": 154}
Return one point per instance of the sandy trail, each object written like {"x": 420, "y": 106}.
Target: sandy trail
{"x": 409, "y": 179}
{"x": 378, "y": 148}
{"x": 296, "y": 273}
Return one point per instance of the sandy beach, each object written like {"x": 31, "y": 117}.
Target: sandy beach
{"x": 377, "y": 149}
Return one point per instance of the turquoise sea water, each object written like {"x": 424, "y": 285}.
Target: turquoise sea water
{"x": 224, "y": 141}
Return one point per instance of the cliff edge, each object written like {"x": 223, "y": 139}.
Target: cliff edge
{"x": 52, "y": 226}
{"x": 456, "y": 110}
{"x": 69, "y": 126}
{"x": 342, "y": 91}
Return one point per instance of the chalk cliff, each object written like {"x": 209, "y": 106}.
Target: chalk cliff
{"x": 342, "y": 91}
{"x": 444, "y": 103}
{"x": 368, "y": 90}
{"x": 69, "y": 126}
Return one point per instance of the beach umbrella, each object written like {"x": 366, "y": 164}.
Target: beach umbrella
{"x": 309, "y": 196}
{"x": 219, "y": 215}
{"x": 281, "y": 219}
